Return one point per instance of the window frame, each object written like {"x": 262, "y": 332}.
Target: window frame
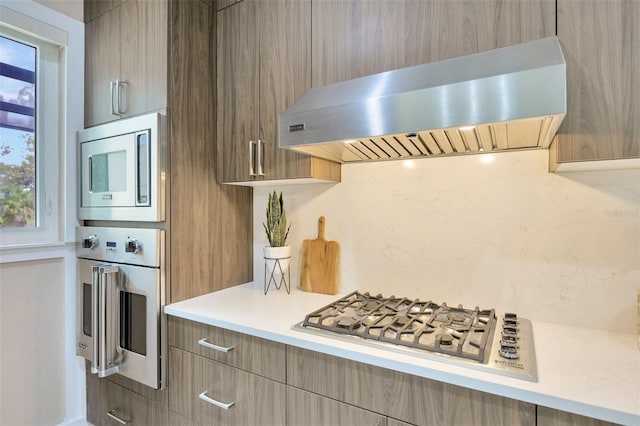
{"x": 58, "y": 196}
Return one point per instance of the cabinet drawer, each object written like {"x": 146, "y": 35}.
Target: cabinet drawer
{"x": 402, "y": 396}
{"x": 140, "y": 406}
{"x": 309, "y": 409}
{"x": 122, "y": 405}
{"x": 196, "y": 382}
{"x": 253, "y": 354}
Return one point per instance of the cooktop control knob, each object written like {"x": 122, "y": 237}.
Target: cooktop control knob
{"x": 90, "y": 242}
{"x": 509, "y": 341}
{"x": 132, "y": 246}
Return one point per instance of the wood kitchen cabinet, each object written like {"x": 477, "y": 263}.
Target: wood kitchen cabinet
{"x": 263, "y": 65}
{"x": 551, "y": 417}
{"x": 126, "y": 43}
{"x": 228, "y": 367}
{"x": 95, "y": 8}
{"x": 208, "y": 226}
{"x": 309, "y": 409}
{"x": 404, "y": 397}
{"x": 354, "y": 38}
{"x": 602, "y": 50}
{"x": 254, "y": 354}
{"x": 112, "y": 404}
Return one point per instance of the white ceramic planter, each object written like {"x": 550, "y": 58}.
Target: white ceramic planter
{"x": 273, "y": 254}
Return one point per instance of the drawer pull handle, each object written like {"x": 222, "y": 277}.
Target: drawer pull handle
{"x": 117, "y": 419}
{"x": 203, "y": 342}
{"x": 203, "y": 396}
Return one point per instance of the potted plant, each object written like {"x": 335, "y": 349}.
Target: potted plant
{"x": 277, "y": 233}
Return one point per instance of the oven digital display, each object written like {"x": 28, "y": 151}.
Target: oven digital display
{"x": 111, "y": 244}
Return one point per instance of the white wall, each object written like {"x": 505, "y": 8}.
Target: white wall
{"x": 506, "y": 234}
{"x": 32, "y": 331}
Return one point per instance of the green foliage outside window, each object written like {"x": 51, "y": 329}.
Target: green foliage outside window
{"x": 17, "y": 188}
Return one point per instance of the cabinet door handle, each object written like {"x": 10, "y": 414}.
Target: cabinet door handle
{"x": 116, "y": 97}
{"x": 114, "y": 91}
{"x": 203, "y": 396}
{"x": 117, "y": 419}
{"x": 119, "y": 110}
{"x": 206, "y": 344}
{"x": 252, "y": 170}
{"x": 260, "y": 157}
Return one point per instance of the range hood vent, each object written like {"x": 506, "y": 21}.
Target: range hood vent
{"x": 499, "y": 100}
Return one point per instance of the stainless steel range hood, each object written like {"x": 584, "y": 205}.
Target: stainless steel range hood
{"x": 504, "y": 99}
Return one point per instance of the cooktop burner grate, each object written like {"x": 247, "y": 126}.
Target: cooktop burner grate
{"x": 464, "y": 333}
{"x": 475, "y": 338}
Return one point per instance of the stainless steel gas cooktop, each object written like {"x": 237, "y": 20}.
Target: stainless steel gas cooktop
{"x": 476, "y": 338}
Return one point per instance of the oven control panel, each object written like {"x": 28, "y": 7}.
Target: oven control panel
{"x": 136, "y": 246}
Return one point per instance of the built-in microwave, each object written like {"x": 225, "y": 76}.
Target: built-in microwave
{"x": 122, "y": 168}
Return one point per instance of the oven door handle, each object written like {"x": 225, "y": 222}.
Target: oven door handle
{"x": 95, "y": 327}
{"x": 107, "y": 287}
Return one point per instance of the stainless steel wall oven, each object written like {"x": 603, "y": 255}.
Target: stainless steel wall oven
{"x": 120, "y": 296}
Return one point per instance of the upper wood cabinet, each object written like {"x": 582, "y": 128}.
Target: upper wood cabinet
{"x": 353, "y": 38}
{"x": 264, "y": 65}
{"x": 128, "y": 43}
{"x": 601, "y": 45}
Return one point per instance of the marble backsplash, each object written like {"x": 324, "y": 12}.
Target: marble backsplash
{"x": 493, "y": 230}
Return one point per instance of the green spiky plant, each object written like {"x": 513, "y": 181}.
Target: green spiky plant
{"x": 276, "y": 226}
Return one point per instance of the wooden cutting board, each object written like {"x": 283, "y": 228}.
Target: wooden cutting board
{"x": 319, "y": 264}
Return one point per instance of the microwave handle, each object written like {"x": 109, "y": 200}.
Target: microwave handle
{"x": 107, "y": 275}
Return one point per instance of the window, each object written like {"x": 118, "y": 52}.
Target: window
{"x": 30, "y": 134}
{"x": 18, "y": 136}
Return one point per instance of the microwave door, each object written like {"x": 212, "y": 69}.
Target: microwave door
{"x": 108, "y": 170}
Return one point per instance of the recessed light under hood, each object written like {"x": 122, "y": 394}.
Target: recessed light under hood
{"x": 503, "y": 99}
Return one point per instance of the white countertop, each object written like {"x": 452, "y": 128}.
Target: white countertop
{"x": 585, "y": 371}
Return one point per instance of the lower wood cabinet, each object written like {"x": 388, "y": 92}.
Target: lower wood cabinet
{"x": 253, "y": 354}
{"x": 551, "y": 417}
{"x": 404, "y": 397}
{"x": 208, "y": 392}
{"x": 110, "y": 404}
{"x": 308, "y": 409}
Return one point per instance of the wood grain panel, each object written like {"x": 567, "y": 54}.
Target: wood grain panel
{"x": 95, "y": 8}
{"x": 257, "y": 401}
{"x": 131, "y": 407}
{"x": 259, "y": 356}
{"x": 353, "y": 38}
{"x": 210, "y": 225}
{"x": 264, "y": 65}
{"x": 407, "y": 398}
{"x": 95, "y": 396}
{"x": 143, "y": 28}
{"x": 394, "y": 422}
{"x": 551, "y": 417}
{"x": 176, "y": 419}
{"x": 237, "y": 89}
{"x": 285, "y": 75}
{"x": 600, "y": 44}
{"x": 306, "y": 408}
{"x": 221, "y": 4}
{"x": 102, "y": 64}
